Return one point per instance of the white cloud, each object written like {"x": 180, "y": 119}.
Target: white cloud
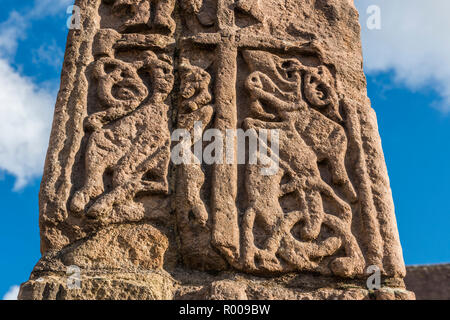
{"x": 49, "y": 7}
{"x": 12, "y": 293}
{"x": 50, "y": 54}
{"x": 26, "y": 113}
{"x": 25, "y": 107}
{"x": 413, "y": 42}
{"x": 11, "y": 31}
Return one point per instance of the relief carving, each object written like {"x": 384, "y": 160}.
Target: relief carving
{"x": 128, "y": 148}
{"x": 143, "y": 15}
{"x": 137, "y": 73}
{"x": 295, "y": 219}
{"x": 322, "y": 132}
{"x": 298, "y": 219}
{"x": 195, "y": 108}
{"x": 193, "y": 220}
{"x": 307, "y": 137}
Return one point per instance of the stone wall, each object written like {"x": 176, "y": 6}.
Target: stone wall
{"x": 429, "y": 282}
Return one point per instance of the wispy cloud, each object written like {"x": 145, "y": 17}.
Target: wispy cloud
{"x": 50, "y": 54}
{"x": 25, "y": 110}
{"x": 413, "y": 42}
{"x": 25, "y": 106}
{"x": 12, "y": 293}
{"x": 11, "y": 31}
{"x": 43, "y": 8}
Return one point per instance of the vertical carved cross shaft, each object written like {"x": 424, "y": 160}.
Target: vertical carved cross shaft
{"x": 228, "y": 41}
{"x": 225, "y": 235}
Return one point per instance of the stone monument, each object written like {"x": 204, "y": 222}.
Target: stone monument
{"x": 121, "y": 217}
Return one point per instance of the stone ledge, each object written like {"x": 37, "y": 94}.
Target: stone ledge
{"x": 159, "y": 285}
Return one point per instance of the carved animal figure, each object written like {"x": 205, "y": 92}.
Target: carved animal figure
{"x": 304, "y": 139}
{"x": 322, "y": 133}
{"x": 194, "y": 107}
{"x": 129, "y": 141}
{"x": 194, "y": 225}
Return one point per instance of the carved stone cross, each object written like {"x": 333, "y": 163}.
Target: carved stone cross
{"x": 228, "y": 41}
{"x": 123, "y": 220}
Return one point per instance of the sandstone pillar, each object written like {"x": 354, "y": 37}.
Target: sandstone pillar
{"x": 120, "y": 219}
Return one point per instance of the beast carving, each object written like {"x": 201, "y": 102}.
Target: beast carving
{"x": 129, "y": 140}
{"x": 275, "y": 236}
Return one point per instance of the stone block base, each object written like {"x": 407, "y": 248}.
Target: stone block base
{"x": 182, "y": 285}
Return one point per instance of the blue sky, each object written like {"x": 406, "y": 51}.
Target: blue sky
{"x": 407, "y": 63}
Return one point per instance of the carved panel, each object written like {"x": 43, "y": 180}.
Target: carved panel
{"x": 117, "y": 151}
{"x": 141, "y": 69}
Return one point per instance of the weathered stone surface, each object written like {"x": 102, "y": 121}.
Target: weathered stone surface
{"x": 139, "y": 226}
{"x": 194, "y": 285}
